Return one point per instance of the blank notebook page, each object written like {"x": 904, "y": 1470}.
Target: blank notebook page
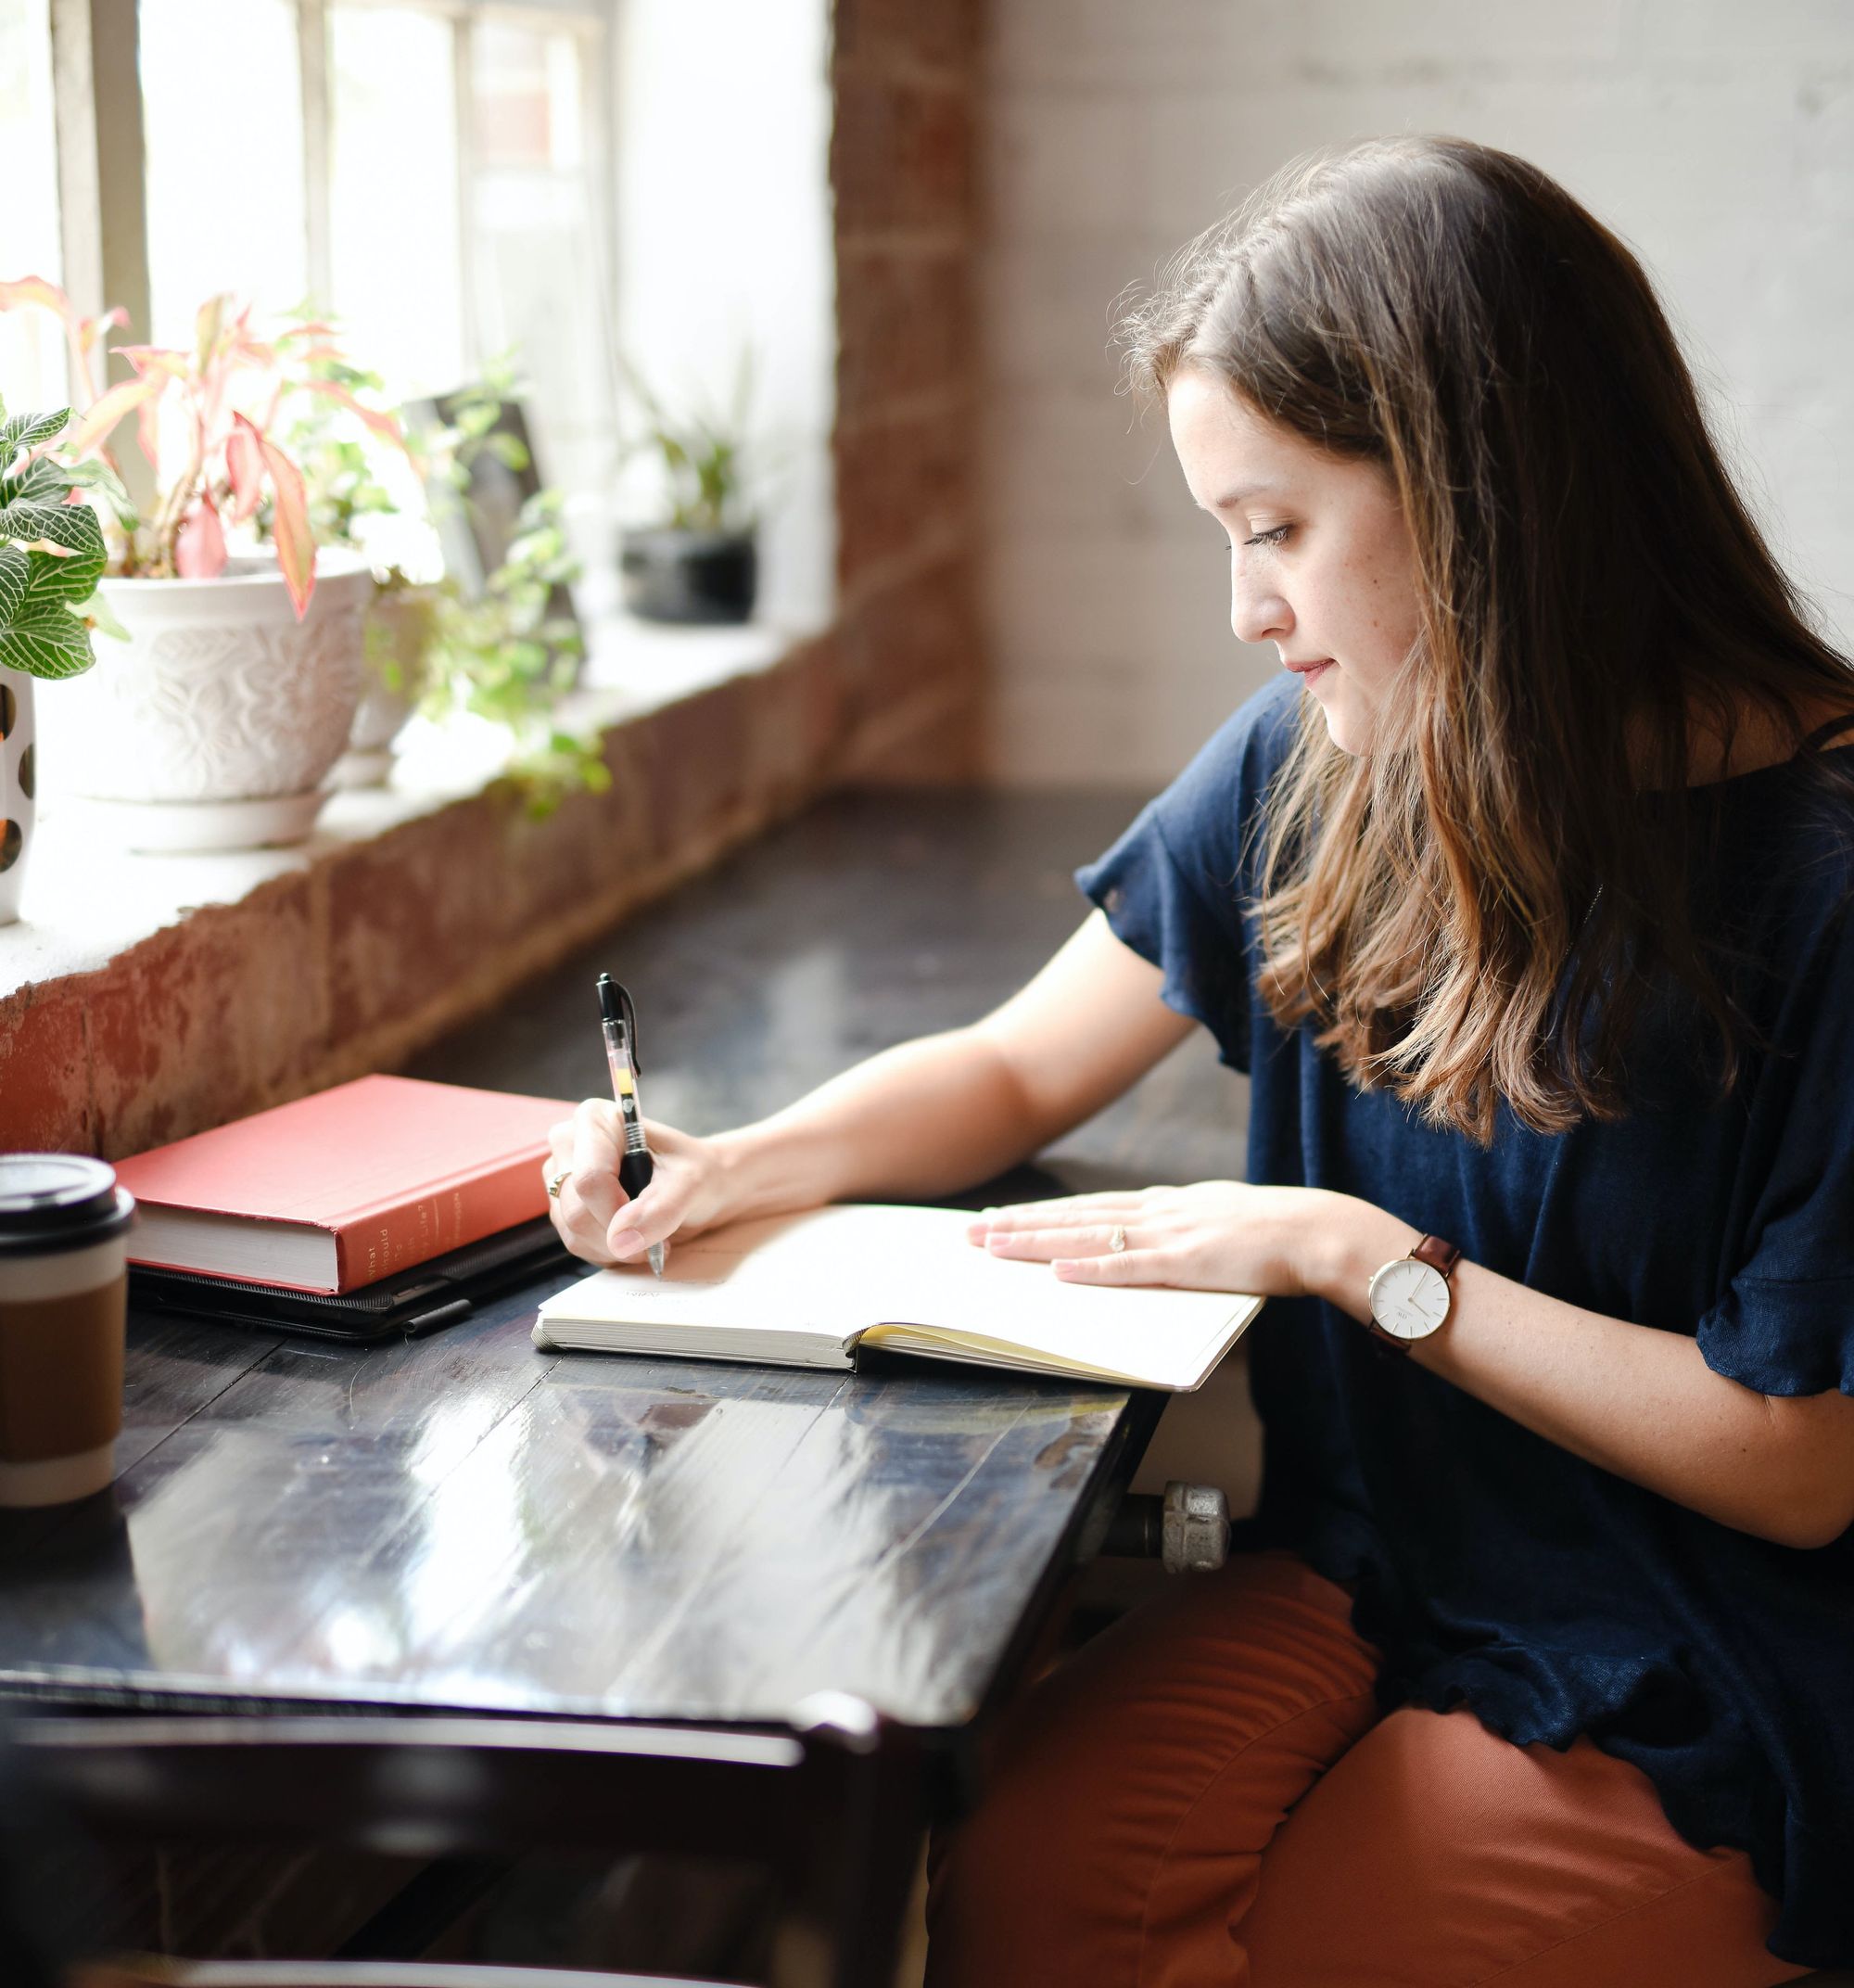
{"x": 836, "y": 1271}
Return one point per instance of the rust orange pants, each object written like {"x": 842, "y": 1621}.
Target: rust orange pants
{"x": 1208, "y": 1795}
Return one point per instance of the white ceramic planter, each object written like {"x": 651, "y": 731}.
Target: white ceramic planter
{"x": 399, "y": 627}
{"x": 215, "y": 725}
{"x": 18, "y": 785}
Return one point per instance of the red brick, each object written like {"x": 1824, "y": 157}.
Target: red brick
{"x": 902, "y": 156}
{"x": 906, "y": 325}
{"x": 693, "y": 764}
{"x": 899, "y": 484}
{"x": 944, "y": 751}
{"x": 944, "y": 34}
{"x": 45, "y": 1071}
{"x": 817, "y": 690}
{"x": 785, "y": 754}
{"x": 209, "y": 1020}
{"x": 913, "y": 638}
{"x": 586, "y": 851}
{"x": 413, "y": 915}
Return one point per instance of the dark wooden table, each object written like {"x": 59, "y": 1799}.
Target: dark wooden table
{"x": 464, "y": 1523}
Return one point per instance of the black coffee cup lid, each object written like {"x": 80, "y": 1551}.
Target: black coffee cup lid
{"x": 57, "y": 1201}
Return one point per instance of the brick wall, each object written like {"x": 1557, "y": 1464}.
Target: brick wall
{"x": 903, "y": 172}
{"x": 1718, "y": 139}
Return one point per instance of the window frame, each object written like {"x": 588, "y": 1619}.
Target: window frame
{"x": 103, "y": 216}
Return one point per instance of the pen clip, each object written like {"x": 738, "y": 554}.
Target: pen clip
{"x": 628, "y": 1012}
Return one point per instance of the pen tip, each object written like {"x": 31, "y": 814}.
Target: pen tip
{"x": 656, "y": 1259}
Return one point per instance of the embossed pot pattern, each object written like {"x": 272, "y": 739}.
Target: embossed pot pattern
{"x": 221, "y": 693}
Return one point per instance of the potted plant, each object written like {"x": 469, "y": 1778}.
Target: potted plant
{"x": 494, "y": 638}
{"x": 365, "y": 497}
{"x": 237, "y": 685}
{"x": 51, "y": 554}
{"x": 503, "y": 640}
{"x": 700, "y": 564}
{"x": 506, "y": 654}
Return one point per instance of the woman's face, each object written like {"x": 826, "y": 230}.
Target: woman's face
{"x": 1320, "y": 559}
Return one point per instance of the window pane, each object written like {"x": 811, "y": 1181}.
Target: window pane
{"x": 33, "y": 371}
{"x": 222, "y": 104}
{"x": 536, "y": 260}
{"x": 527, "y": 97}
{"x": 393, "y": 222}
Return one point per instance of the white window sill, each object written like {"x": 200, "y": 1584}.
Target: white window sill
{"x": 86, "y": 899}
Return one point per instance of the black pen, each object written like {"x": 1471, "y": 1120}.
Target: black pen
{"x": 618, "y": 1019}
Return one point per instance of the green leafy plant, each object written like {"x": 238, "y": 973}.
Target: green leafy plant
{"x": 226, "y": 392}
{"x": 340, "y": 458}
{"x": 52, "y": 551}
{"x": 503, "y": 655}
{"x": 702, "y": 451}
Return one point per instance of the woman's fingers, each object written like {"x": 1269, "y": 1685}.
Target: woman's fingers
{"x": 1073, "y": 1210}
{"x": 662, "y": 1208}
{"x": 583, "y": 1178}
{"x": 653, "y": 1217}
{"x": 1045, "y": 1245}
{"x": 594, "y": 1217}
{"x": 1128, "y": 1267}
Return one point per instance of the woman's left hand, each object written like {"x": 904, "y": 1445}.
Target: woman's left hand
{"x": 1216, "y": 1235}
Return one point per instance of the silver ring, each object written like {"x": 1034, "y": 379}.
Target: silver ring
{"x": 559, "y": 1182}
{"x": 1116, "y": 1241}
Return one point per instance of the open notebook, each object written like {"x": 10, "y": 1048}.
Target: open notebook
{"x": 811, "y": 1288}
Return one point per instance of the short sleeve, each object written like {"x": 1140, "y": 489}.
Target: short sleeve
{"x": 1784, "y": 1324}
{"x": 1173, "y": 886}
{"x": 1153, "y": 908}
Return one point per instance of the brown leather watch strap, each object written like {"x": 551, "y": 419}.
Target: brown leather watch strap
{"x": 1441, "y": 1255}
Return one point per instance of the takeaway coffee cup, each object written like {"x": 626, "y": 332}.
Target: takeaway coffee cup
{"x": 64, "y": 1230}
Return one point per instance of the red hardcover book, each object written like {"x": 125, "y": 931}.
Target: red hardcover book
{"x": 334, "y": 1192}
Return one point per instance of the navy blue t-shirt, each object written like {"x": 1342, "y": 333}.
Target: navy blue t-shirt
{"x": 1492, "y": 1566}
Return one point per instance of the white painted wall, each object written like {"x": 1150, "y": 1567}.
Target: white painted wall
{"x": 1718, "y": 139}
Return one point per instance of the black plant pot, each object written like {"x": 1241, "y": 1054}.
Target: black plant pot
{"x": 671, "y": 575}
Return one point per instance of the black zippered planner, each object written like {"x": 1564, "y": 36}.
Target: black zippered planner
{"x": 408, "y": 1305}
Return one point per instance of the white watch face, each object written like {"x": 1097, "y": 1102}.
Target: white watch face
{"x": 1409, "y": 1298}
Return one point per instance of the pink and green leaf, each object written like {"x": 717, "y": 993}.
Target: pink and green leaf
{"x": 245, "y": 470}
{"x": 37, "y": 290}
{"x": 383, "y": 425}
{"x": 200, "y": 551}
{"x": 46, "y": 296}
{"x": 95, "y": 427}
{"x": 90, "y": 329}
{"x": 153, "y": 359}
{"x": 289, "y": 520}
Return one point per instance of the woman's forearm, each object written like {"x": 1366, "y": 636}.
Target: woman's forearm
{"x": 924, "y": 1118}
{"x": 1641, "y": 1403}
{"x": 918, "y": 1121}
{"x": 933, "y": 1116}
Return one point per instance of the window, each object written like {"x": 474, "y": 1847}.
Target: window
{"x": 534, "y": 243}
{"x": 457, "y": 149}
{"x": 443, "y": 176}
{"x": 221, "y": 120}
{"x": 396, "y": 267}
{"x": 32, "y": 350}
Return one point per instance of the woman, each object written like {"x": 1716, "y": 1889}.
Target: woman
{"x": 1520, "y": 897}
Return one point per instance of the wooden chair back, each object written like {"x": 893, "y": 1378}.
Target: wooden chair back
{"x": 831, "y": 1808}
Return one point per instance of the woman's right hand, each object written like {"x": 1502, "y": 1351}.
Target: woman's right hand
{"x": 594, "y": 1217}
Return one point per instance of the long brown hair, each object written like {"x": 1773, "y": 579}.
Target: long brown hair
{"x": 1591, "y": 586}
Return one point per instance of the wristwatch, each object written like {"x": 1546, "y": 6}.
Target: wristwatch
{"x": 1409, "y": 1297}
